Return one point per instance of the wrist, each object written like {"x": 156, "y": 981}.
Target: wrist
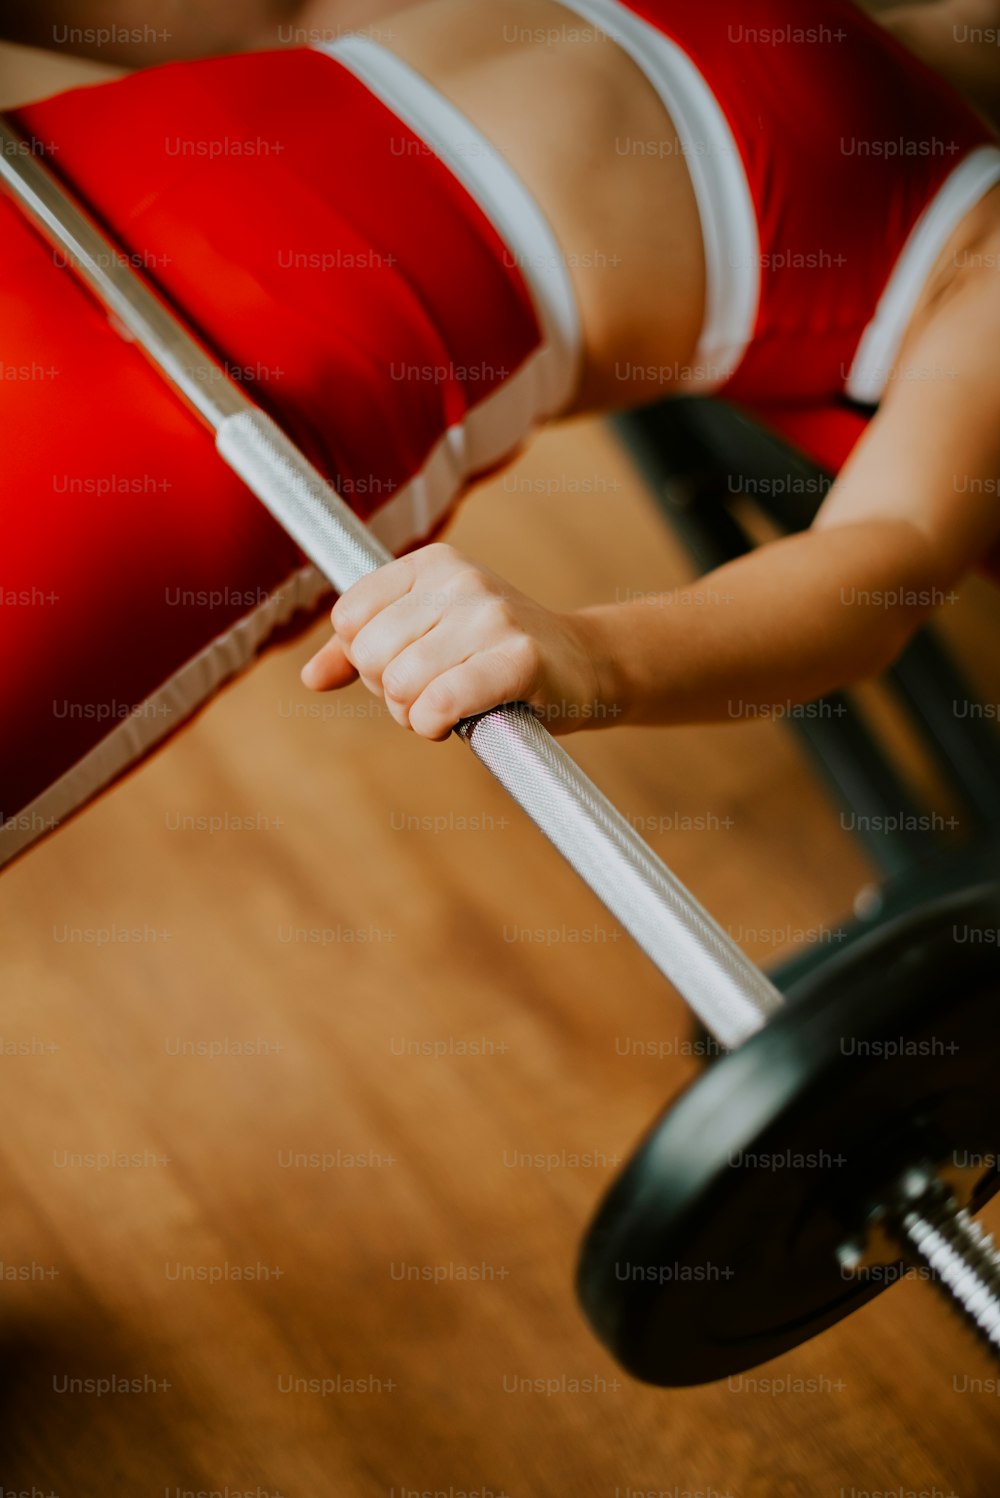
{"x": 599, "y": 630}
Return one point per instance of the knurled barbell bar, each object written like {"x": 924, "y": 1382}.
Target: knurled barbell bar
{"x": 690, "y": 1192}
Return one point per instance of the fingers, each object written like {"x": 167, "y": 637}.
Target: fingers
{"x": 434, "y": 636}
{"x": 411, "y": 672}
{"x": 332, "y": 666}
{"x": 377, "y": 646}
{"x": 482, "y": 682}
{"x": 328, "y": 669}
{"x": 360, "y": 604}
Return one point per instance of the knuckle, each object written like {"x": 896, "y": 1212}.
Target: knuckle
{"x": 470, "y": 587}
{"x": 498, "y": 613}
{"x": 440, "y": 700}
{"x": 440, "y": 553}
{"x": 395, "y": 683}
{"x": 364, "y": 655}
{"x": 522, "y": 652}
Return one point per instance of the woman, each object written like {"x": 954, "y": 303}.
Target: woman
{"x": 417, "y": 248}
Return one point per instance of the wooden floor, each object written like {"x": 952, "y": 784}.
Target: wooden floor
{"x": 319, "y": 1254}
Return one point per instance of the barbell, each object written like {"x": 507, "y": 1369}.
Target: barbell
{"x": 701, "y": 1260}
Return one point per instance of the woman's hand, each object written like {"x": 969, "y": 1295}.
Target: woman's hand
{"x": 440, "y": 639}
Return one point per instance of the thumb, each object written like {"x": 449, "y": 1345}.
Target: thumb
{"x": 328, "y": 669}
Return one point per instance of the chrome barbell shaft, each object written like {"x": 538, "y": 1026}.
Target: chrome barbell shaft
{"x": 728, "y": 993}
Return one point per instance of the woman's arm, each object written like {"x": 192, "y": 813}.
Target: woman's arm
{"x": 916, "y": 506}
{"x": 913, "y": 510}
{"x": 789, "y": 625}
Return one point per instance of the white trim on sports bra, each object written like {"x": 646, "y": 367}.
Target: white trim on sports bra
{"x": 503, "y": 197}
{"x": 725, "y": 202}
{"x": 882, "y": 339}
{"x": 490, "y": 431}
{"x": 729, "y": 217}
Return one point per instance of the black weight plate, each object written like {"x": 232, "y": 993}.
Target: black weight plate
{"x": 715, "y": 1249}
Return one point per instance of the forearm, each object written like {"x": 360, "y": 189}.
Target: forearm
{"x": 786, "y": 624}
